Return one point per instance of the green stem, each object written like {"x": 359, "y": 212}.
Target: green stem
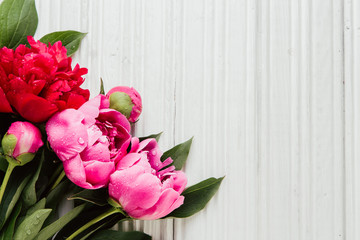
{"x": 9, "y": 170}
{"x": 95, "y": 220}
{"x": 58, "y": 180}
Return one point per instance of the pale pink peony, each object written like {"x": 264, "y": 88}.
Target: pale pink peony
{"x": 127, "y": 101}
{"x": 89, "y": 141}
{"x": 27, "y": 139}
{"x": 141, "y": 187}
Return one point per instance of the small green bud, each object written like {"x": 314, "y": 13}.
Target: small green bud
{"x": 121, "y": 102}
{"x": 8, "y": 144}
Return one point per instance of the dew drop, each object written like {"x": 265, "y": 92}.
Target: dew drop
{"x": 28, "y": 232}
{"x": 81, "y": 141}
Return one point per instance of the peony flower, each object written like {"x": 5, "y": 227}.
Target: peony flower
{"x": 142, "y": 187}
{"x": 39, "y": 81}
{"x": 89, "y": 141}
{"x": 127, "y": 101}
{"x": 21, "y": 142}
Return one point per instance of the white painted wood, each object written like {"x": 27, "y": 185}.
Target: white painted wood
{"x": 259, "y": 84}
{"x": 352, "y": 124}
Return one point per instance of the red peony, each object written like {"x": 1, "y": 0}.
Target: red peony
{"x": 39, "y": 81}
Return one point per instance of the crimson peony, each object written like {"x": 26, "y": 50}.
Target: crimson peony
{"x": 39, "y": 81}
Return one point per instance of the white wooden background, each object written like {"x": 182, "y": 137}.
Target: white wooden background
{"x": 269, "y": 89}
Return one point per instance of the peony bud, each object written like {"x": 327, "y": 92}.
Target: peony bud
{"x": 21, "y": 142}
{"x": 127, "y": 101}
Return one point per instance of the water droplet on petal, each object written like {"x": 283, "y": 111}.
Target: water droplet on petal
{"x": 81, "y": 141}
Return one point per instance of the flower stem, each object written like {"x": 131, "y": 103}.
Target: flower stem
{"x": 9, "y": 170}
{"x": 58, "y": 180}
{"x": 95, "y": 220}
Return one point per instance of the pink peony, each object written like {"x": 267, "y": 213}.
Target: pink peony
{"x": 141, "y": 187}
{"x": 22, "y": 139}
{"x": 39, "y": 81}
{"x": 127, "y": 101}
{"x": 89, "y": 141}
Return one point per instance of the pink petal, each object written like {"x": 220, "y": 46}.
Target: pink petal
{"x": 99, "y": 152}
{"x": 133, "y": 188}
{"x": 90, "y": 109}
{"x": 168, "y": 202}
{"x": 134, "y": 144}
{"x": 75, "y": 171}
{"x": 94, "y": 133}
{"x": 98, "y": 173}
{"x": 67, "y": 134}
{"x": 114, "y": 116}
{"x": 128, "y": 161}
{"x": 180, "y": 181}
{"x": 154, "y": 153}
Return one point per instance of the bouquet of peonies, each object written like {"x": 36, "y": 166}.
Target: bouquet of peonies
{"x": 56, "y": 142}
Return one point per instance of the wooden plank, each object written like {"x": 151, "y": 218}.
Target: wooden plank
{"x": 352, "y": 114}
{"x": 259, "y": 84}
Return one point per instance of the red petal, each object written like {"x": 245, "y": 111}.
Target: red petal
{"x": 4, "y": 104}
{"x": 75, "y": 101}
{"x": 32, "y": 107}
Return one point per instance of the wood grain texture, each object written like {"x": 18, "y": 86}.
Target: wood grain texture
{"x": 269, "y": 90}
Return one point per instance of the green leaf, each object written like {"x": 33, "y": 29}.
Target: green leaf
{"x": 70, "y": 40}
{"x": 9, "y": 228}
{"x": 179, "y": 154}
{"x": 156, "y": 136}
{"x": 31, "y": 225}
{"x": 18, "y": 19}
{"x": 12, "y": 194}
{"x": 39, "y": 205}
{"x": 115, "y": 235}
{"x": 196, "y": 197}
{"x": 55, "y": 196}
{"x": 56, "y": 226}
{"x": 105, "y": 224}
{"x": 98, "y": 196}
{"x": 29, "y": 194}
{"x": 102, "y": 90}
{"x": 83, "y": 218}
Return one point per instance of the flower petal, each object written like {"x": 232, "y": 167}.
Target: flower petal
{"x": 75, "y": 171}
{"x": 31, "y": 107}
{"x": 67, "y": 134}
{"x": 98, "y": 173}
{"x": 114, "y": 116}
{"x": 4, "y": 104}
{"x": 168, "y": 202}
{"x": 99, "y": 152}
{"x": 134, "y": 189}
